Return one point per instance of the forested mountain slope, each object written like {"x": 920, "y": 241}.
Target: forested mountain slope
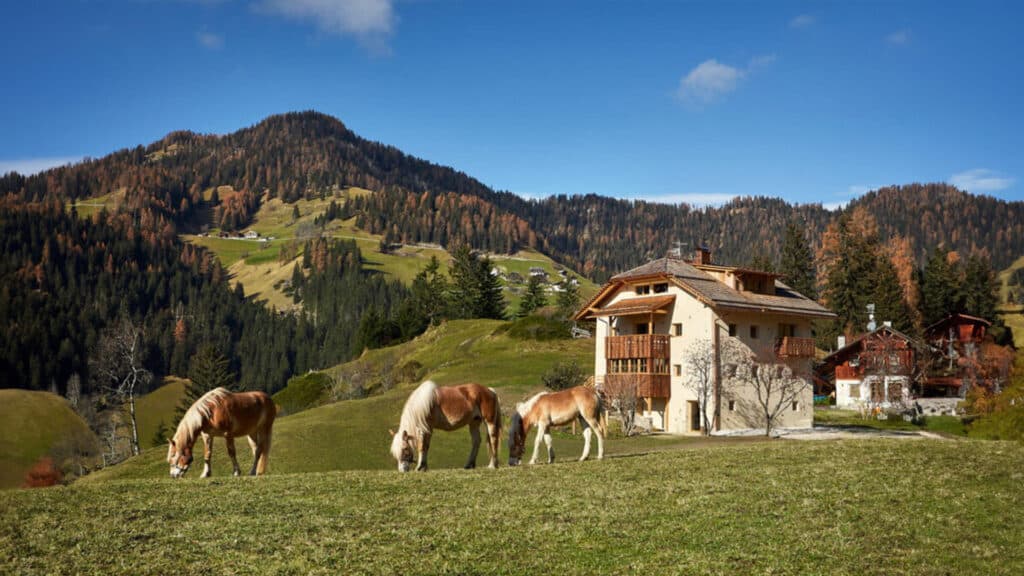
{"x": 308, "y": 154}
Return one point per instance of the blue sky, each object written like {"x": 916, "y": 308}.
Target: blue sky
{"x": 665, "y": 101}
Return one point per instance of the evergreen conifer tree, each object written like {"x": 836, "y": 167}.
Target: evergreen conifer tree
{"x": 492, "y": 302}
{"x": 534, "y": 297}
{"x": 939, "y": 288}
{"x": 208, "y": 369}
{"x": 797, "y": 261}
{"x": 980, "y": 289}
{"x": 890, "y": 304}
{"x": 568, "y": 297}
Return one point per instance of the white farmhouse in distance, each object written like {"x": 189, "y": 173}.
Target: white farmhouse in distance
{"x": 651, "y": 317}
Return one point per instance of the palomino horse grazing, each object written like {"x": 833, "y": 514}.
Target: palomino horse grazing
{"x": 446, "y": 408}
{"x": 223, "y": 413}
{"x": 556, "y": 409}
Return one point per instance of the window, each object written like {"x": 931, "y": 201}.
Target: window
{"x": 677, "y": 369}
{"x": 660, "y": 366}
{"x": 677, "y": 329}
{"x": 732, "y": 330}
{"x": 732, "y": 405}
{"x": 661, "y": 288}
{"x": 753, "y": 331}
{"x": 642, "y": 290}
{"x": 854, "y": 390}
{"x": 642, "y": 329}
{"x": 787, "y": 330}
{"x": 796, "y": 406}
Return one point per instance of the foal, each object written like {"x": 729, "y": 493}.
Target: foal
{"x": 556, "y": 409}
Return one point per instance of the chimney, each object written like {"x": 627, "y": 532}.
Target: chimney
{"x": 703, "y": 255}
{"x": 841, "y": 342}
{"x": 887, "y": 323}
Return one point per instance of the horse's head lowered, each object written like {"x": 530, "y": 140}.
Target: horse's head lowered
{"x": 179, "y": 457}
{"x": 516, "y": 439}
{"x": 403, "y": 448}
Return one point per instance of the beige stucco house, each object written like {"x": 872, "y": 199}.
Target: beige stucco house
{"x": 653, "y": 322}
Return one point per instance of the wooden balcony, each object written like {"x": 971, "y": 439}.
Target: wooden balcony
{"x": 793, "y": 347}
{"x": 647, "y": 385}
{"x": 638, "y": 346}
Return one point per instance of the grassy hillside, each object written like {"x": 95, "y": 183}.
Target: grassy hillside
{"x": 158, "y": 406}
{"x": 257, "y": 266}
{"x": 848, "y": 507}
{"x": 353, "y": 434}
{"x": 1012, "y": 313}
{"x": 32, "y": 424}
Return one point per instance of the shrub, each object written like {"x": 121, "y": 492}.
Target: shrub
{"x": 303, "y": 392}
{"x": 43, "y": 473}
{"x": 563, "y": 376}
{"x": 537, "y": 328}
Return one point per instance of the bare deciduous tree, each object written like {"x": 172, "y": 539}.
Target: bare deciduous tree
{"x": 777, "y": 385}
{"x": 699, "y": 373}
{"x": 620, "y": 394}
{"x": 117, "y": 364}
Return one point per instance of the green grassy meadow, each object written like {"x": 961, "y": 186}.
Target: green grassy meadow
{"x": 33, "y": 423}
{"x": 158, "y": 406}
{"x": 353, "y": 434}
{"x": 780, "y": 507}
{"x": 1011, "y": 313}
{"x": 951, "y": 425}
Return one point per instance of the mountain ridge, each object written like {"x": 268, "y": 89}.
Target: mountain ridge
{"x": 305, "y": 154}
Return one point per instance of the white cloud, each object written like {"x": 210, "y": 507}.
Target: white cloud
{"x": 981, "y": 180}
{"x": 361, "y": 18}
{"x": 802, "y": 21}
{"x": 858, "y": 189}
{"x": 711, "y": 79}
{"x": 27, "y": 166}
{"x": 760, "y": 62}
{"x": 692, "y": 198}
{"x": 898, "y": 37}
{"x": 210, "y": 40}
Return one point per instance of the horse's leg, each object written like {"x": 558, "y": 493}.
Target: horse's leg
{"x": 424, "y": 448}
{"x": 551, "y": 451}
{"x": 207, "y": 454}
{"x": 474, "y": 434}
{"x": 230, "y": 441}
{"x": 257, "y": 453}
{"x": 586, "y": 440}
{"x": 264, "y": 447}
{"x": 541, "y": 431}
{"x": 493, "y": 442}
{"x": 598, "y": 426}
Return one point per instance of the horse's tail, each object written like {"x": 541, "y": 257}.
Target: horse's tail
{"x": 498, "y": 427}
{"x": 602, "y": 415}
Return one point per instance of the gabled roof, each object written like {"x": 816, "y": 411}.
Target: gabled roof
{"x": 954, "y": 318}
{"x": 632, "y": 306}
{"x": 858, "y": 342}
{"x": 710, "y": 291}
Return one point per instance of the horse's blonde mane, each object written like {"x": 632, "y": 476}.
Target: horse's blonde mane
{"x": 192, "y": 421}
{"x": 523, "y": 408}
{"x": 415, "y": 414}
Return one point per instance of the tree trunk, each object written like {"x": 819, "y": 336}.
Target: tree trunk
{"x": 135, "y": 426}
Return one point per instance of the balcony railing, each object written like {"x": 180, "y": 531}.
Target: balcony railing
{"x": 637, "y": 346}
{"x": 793, "y": 347}
{"x": 647, "y": 385}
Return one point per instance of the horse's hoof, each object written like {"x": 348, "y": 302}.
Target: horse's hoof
{"x": 469, "y": 466}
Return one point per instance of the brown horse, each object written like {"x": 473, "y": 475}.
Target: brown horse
{"x": 447, "y": 408}
{"x": 223, "y": 413}
{"x": 556, "y": 409}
